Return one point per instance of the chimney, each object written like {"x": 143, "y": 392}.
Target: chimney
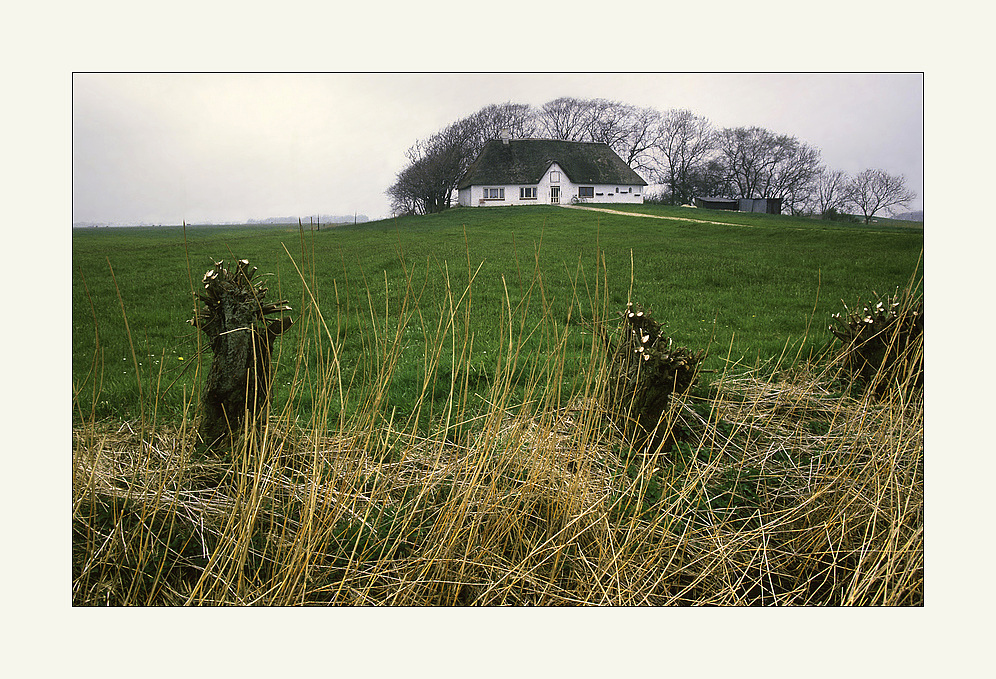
{"x": 505, "y": 136}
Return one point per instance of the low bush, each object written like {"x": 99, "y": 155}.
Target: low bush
{"x": 835, "y": 215}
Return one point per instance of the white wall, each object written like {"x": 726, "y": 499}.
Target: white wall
{"x": 610, "y": 193}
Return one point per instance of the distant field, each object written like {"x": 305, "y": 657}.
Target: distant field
{"x": 398, "y": 289}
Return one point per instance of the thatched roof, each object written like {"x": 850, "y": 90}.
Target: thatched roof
{"x": 524, "y": 161}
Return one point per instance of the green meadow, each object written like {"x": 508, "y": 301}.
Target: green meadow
{"x": 749, "y": 294}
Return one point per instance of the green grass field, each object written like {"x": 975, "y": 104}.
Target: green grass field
{"x": 440, "y": 434}
{"x": 746, "y": 293}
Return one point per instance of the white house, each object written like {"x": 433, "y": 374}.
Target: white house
{"x": 538, "y": 171}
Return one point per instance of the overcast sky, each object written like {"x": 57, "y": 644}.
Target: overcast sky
{"x": 161, "y": 148}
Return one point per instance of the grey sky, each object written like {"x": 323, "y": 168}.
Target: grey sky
{"x": 161, "y": 148}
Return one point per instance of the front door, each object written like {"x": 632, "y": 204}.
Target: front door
{"x": 554, "y": 194}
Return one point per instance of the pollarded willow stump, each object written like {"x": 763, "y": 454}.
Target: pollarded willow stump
{"x": 234, "y": 318}
{"x": 882, "y": 345}
{"x": 646, "y": 369}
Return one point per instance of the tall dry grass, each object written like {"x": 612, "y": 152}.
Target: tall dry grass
{"x": 790, "y": 487}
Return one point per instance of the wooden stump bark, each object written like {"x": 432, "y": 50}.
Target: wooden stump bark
{"x": 241, "y": 337}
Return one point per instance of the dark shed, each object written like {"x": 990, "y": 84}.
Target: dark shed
{"x": 717, "y": 203}
{"x": 771, "y": 206}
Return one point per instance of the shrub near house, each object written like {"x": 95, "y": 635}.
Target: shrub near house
{"x": 532, "y": 171}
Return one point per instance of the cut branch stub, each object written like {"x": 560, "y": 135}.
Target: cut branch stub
{"x": 234, "y": 318}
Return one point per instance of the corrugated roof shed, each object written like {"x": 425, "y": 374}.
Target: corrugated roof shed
{"x": 523, "y": 161}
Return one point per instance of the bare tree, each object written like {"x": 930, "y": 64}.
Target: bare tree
{"x": 519, "y": 120}
{"x": 637, "y": 134}
{"x": 763, "y": 164}
{"x": 830, "y": 191}
{"x": 607, "y": 121}
{"x": 684, "y": 141}
{"x": 630, "y": 131}
{"x": 874, "y": 190}
{"x": 412, "y": 192}
{"x": 567, "y": 118}
{"x": 796, "y": 182}
{"x": 436, "y": 165}
{"x": 707, "y": 178}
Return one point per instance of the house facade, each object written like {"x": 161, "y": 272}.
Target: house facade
{"x": 548, "y": 171}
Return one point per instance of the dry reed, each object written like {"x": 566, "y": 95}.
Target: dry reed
{"x": 823, "y": 505}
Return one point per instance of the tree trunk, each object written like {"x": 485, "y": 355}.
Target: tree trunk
{"x": 238, "y": 387}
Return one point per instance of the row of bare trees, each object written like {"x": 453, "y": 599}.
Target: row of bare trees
{"x": 679, "y": 150}
{"x": 868, "y": 192}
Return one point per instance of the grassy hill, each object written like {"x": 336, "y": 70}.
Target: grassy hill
{"x": 744, "y": 293}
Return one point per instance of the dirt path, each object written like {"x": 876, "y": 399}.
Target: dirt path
{"x": 641, "y": 214}
{"x": 706, "y": 221}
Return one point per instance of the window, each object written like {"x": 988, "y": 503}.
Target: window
{"x": 586, "y": 192}
{"x": 554, "y": 177}
{"x": 494, "y": 194}
{"x": 527, "y": 193}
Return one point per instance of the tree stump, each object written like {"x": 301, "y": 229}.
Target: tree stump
{"x": 645, "y": 370}
{"x": 882, "y": 345}
{"x": 234, "y": 318}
